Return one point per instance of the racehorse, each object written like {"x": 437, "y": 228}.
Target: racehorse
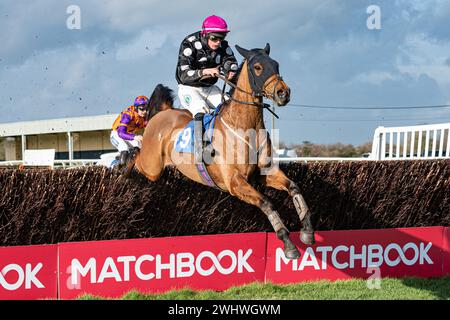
{"x": 257, "y": 77}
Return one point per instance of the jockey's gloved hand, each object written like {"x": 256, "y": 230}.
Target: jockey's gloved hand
{"x": 227, "y": 71}
{"x": 230, "y": 75}
{"x": 212, "y": 72}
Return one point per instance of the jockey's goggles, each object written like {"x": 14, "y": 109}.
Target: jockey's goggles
{"x": 143, "y": 107}
{"x": 215, "y": 38}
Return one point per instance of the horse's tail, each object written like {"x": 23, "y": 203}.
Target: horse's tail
{"x": 161, "y": 99}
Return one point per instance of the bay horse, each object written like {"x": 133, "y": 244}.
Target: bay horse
{"x": 257, "y": 77}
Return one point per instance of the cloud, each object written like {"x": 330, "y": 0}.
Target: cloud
{"x": 326, "y": 54}
{"x": 145, "y": 44}
{"x": 75, "y": 81}
{"x": 421, "y": 54}
{"x": 374, "y": 77}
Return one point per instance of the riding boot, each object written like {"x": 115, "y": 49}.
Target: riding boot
{"x": 136, "y": 149}
{"x": 123, "y": 158}
{"x": 198, "y": 137}
{"x": 134, "y": 152}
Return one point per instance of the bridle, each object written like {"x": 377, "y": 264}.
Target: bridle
{"x": 255, "y": 94}
{"x": 278, "y": 78}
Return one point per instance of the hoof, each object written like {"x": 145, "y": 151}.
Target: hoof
{"x": 292, "y": 254}
{"x": 307, "y": 238}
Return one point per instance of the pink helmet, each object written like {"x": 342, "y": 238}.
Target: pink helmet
{"x": 214, "y": 24}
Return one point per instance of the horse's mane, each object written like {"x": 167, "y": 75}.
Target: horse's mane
{"x": 160, "y": 96}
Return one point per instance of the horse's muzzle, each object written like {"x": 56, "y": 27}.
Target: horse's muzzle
{"x": 282, "y": 97}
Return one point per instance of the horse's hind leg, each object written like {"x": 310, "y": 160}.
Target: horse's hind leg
{"x": 278, "y": 180}
{"x": 240, "y": 188}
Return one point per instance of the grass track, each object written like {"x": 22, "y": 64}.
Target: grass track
{"x": 390, "y": 289}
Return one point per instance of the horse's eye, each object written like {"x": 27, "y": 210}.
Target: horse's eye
{"x": 258, "y": 68}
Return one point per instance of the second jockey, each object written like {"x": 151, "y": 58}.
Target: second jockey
{"x": 201, "y": 55}
{"x": 128, "y": 128}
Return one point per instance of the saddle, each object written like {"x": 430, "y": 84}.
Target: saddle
{"x": 185, "y": 139}
{"x": 185, "y": 143}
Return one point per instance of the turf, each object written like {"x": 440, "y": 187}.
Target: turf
{"x": 389, "y": 289}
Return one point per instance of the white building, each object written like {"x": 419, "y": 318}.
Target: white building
{"x": 72, "y": 138}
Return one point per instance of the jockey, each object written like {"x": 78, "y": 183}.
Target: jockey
{"x": 201, "y": 55}
{"x": 128, "y": 128}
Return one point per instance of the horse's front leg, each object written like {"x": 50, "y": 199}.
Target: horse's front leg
{"x": 277, "y": 179}
{"x": 240, "y": 188}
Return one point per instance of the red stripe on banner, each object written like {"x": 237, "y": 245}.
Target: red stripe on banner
{"x": 112, "y": 268}
{"x": 28, "y": 272}
{"x": 359, "y": 254}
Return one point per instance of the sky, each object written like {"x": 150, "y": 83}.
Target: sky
{"x": 327, "y": 55}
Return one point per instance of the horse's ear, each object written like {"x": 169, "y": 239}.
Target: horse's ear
{"x": 267, "y": 48}
{"x": 242, "y": 51}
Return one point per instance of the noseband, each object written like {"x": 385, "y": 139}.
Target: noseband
{"x": 278, "y": 78}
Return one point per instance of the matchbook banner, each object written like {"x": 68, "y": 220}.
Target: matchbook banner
{"x": 28, "y": 273}
{"x": 112, "y": 268}
{"x": 217, "y": 262}
{"x": 359, "y": 254}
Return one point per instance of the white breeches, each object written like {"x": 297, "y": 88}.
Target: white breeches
{"x": 199, "y": 99}
{"x": 121, "y": 144}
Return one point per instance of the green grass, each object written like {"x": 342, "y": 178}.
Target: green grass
{"x": 390, "y": 289}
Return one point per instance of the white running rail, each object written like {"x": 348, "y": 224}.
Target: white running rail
{"x": 57, "y": 163}
{"x": 413, "y": 142}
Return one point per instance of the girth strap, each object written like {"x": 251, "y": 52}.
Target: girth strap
{"x": 201, "y": 167}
